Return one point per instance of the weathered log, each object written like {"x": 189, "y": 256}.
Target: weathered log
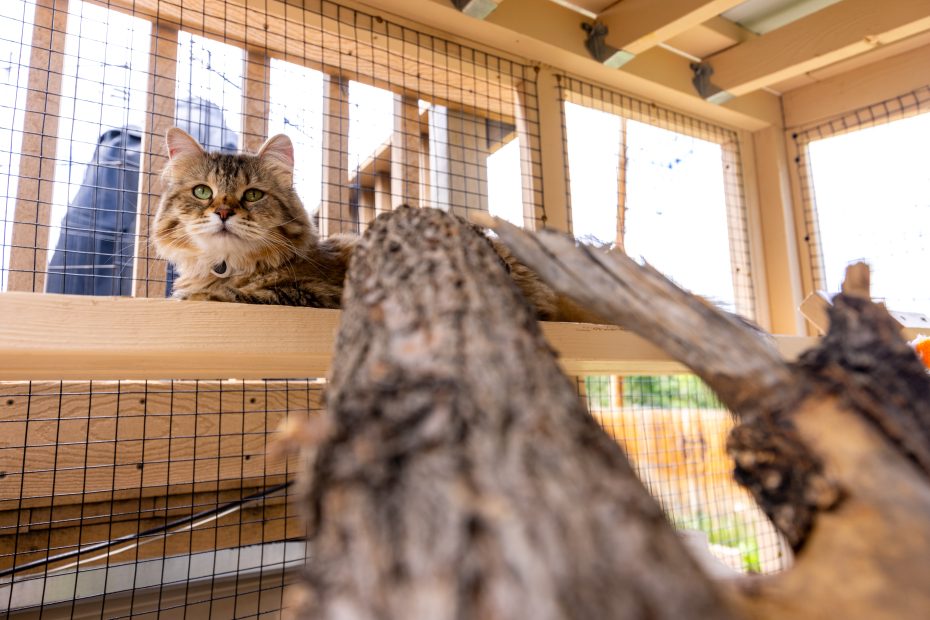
{"x": 461, "y": 476}
{"x": 834, "y": 448}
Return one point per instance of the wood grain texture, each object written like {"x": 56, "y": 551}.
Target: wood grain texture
{"x": 462, "y": 477}
{"x": 832, "y": 34}
{"x": 74, "y": 337}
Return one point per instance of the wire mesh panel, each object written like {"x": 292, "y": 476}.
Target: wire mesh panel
{"x": 122, "y": 498}
{"x": 661, "y": 185}
{"x": 380, "y": 115}
{"x": 673, "y": 429}
{"x": 864, "y": 188}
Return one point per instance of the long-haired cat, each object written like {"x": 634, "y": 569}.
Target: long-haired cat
{"x": 235, "y": 230}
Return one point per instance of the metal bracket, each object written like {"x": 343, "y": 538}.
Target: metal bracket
{"x": 599, "y": 49}
{"x": 705, "y": 88}
{"x": 479, "y": 9}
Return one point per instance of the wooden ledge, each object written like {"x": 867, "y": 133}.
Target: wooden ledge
{"x": 59, "y": 337}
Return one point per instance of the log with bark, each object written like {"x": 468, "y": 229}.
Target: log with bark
{"x": 459, "y": 476}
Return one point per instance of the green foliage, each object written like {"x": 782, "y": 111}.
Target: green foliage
{"x": 668, "y": 392}
{"x": 728, "y": 531}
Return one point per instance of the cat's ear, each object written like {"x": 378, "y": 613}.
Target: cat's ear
{"x": 279, "y": 149}
{"x": 180, "y": 143}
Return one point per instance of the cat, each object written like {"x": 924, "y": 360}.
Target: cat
{"x": 236, "y": 231}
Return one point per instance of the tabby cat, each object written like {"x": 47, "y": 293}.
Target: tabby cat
{"x": 235, "y": 230}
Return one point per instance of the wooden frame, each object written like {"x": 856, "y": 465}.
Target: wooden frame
{"x": 31, "y": 215}
{"x": 832, "y": 34}
{"x": 59, "y": 337}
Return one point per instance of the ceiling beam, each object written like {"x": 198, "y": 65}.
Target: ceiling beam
{"x": 634, "y": 26}
{"x": 835, "y": 33}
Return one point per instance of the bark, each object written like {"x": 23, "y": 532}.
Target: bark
{"x": 461, "y": 476}
{"x": 834, "y": 448}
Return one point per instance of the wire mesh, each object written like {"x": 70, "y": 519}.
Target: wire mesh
{"x": 662, "y": 186}
{"x": 848, "y": 166}
{"x": 121, "y": 497}
{"x": 380, "y": 115}
{"x": 124, "y": 498}
{"x": 674, "y": 429}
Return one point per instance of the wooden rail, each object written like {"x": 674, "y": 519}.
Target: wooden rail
{"x": 72, "y": 337}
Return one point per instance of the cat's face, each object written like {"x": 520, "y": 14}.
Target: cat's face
{"x": 237, "y": 209}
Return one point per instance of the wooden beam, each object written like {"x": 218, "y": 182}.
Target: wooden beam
{"x": 29, "y": 240}
{"x": 832, "y": 34}
{"x": 150, "y": 273}
{"x": 634, "y": 26}
{"x": 81, "y": 442}
{"x": 372, "y": 56}
{"x": 770, "y": 195}
{"x": 859, "y": 88}
{"x": 527, "y": 123}
{"x": 73, "y": 337}
{"x": 552, "y": 152}
{"x": 336, "y": 216}
{"x": 256, "y": 96}
{"x": 405, "y": 152}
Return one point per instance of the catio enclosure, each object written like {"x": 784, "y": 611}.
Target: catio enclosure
{"x": 137, "y": 474}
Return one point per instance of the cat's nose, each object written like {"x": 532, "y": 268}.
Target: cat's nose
{"x": 223, "y": 211}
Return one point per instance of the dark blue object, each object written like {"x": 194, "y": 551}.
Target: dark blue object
{"x": 94, "y": 254}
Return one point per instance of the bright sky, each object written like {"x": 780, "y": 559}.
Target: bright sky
{"x": 872, "y": 190}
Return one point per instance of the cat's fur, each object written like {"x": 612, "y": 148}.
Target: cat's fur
{"x": 271, "y": 249}
{"x": 268, "y": 251}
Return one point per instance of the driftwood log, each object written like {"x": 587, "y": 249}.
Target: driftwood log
{"x": 457, "y": 474}
{"x": 461, "y": 476}
{"x": 834, "y": 447}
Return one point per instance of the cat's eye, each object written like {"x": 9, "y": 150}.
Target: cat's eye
{"x": 252, "y": 194}
{"x": 203, "y": 192}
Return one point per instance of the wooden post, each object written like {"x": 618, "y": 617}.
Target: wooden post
{"x": 622, "y": 162}
{"x": 382, "y": 193}
{"x": 150, "y": 273}
{"x": 405, "y": 152}
{"x": 459, "y": 160}
{"x": 28, "y": 262}
{"x": 526, "y": 117}
{"x": 256, "y": 97}
{"x": 544, "y": 167}
{"x": 336, "y": 215}
{"x": 441, "y": 490}
{"x": 776, "y": 212}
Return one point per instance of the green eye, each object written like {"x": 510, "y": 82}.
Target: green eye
{"x": 252, "y": 194}
{"x": 203, "y": 192}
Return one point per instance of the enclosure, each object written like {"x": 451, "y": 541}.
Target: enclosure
{"x": 747, "y": 149}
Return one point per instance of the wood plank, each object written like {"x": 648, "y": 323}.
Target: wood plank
{"x": 779, "y": 245}
{"x": 528, "y": 133}
{"x": 832, "y": 34}
{"x": 72, "y": 337}
{"x": 336, "y": 215}
{"x": 256, "y": 94}
{"x": 76, "y": 443}
{"x": 150, "y": 273}
{"x": 635, "y": 26}
{"x": 862, "y": 87}
{"x": 405, "y": 152}
{"x": 552, "y": 152}
{"x": 251, "y": 525}
{"x": 29, "y": 240}
{"x": 338, "y": 41}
